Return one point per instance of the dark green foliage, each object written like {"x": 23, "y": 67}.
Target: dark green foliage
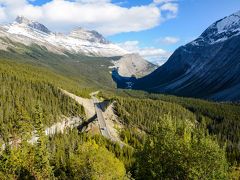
{"x": 132, "y": 137}
{"x": 177, "y": 146}
{"x": 79, "y": 156}
{"x": 42, "y": 168}
{"x": 146, "y": 114}
{"x": 221, "y": 119}
{"x": 169, "y": 155}
{"x": 22, "y": 87}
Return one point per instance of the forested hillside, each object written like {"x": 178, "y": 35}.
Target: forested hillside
{"x": 164, "y": 137}
{"x": 176, "y": 145}
{"x": 31, "y": 100}
{"x": 220, "y": 119}
{"x": 23, "y": 88}
{"x": 148, "y": 112}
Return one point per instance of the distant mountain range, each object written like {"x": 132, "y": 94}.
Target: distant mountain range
{"x": 208, "y": 67}
{"x": 78, "y": 41}
{"x": 33, "y": 40}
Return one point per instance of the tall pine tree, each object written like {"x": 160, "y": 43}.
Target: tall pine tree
{"x": 42, "y": 165}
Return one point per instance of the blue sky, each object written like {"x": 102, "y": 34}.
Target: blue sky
{"x": 194, "y": 16}
{"x": 153, "y": 28}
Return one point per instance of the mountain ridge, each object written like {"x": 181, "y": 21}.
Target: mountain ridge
{"x": 202, "y": 68}
{"x": 78, "y": 41}
{"x": 221, "y": 30}
{"x": 32, "y": 24}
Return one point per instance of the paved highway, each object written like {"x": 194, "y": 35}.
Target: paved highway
{"x": 102, "y": 124}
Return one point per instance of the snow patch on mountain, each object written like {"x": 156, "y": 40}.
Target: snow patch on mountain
{"x": 230, "y": 22}
{"x": 32, "y": 24}
{"x": 86, "y": 35}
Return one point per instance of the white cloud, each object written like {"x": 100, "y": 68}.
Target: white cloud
{"x": 170, "y": 10}
{"x": 107, "y": 18}
{"x": 163, "y": 1}
{"x": 93, "y": 1}
{"x": 2, "y": 14}
{"x": 154, "y": 55}
{"x": 168, "y": 40}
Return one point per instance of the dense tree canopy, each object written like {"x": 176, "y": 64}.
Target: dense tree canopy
{"x": 177, "y": 147}
{"x": 22, "y": 88}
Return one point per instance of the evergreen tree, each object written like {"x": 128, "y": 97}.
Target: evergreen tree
{"x": 42, "y": 165}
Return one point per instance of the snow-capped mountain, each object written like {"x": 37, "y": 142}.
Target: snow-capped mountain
{"x": 91, "y": 36}
{"x": 208, "y": 67}
{"x": 220, "y": 31}
{"x": 79, "y": 41}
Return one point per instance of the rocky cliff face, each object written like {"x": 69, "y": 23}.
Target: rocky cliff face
{"x": 128, "y": 68}
{"x": 208, "y": 67}
{"x": 133, "y": 65}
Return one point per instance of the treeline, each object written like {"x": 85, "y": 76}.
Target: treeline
{"x": 39, "y": 73}
{"x": 82, "y": 69}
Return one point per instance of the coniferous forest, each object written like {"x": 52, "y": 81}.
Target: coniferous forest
{"x": 165, "y": 137}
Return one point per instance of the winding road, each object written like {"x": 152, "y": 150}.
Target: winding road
{"x": 102, "y": 124}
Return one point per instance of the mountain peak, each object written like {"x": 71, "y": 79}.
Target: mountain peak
{"x": 221, "y": 30}
{"x": 22, "y": 20}
{"x": 89, "y": 35}
{"x": 237, "y": 13}
{"x": 231, "y": 22}
{"x": 32, "y": 24}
